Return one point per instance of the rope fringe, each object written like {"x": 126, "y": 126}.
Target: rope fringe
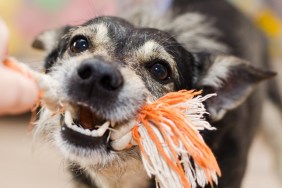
{"x": 171, "y": 146}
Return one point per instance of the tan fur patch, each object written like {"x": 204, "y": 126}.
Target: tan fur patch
{"x": 122, "y": 174}
{"x": 151, "y": 50}
{"x": 101, "y": 43}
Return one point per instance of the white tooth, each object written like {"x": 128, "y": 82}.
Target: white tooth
{"x": 94, "y": 133}
{"x": 76, "y": 128}
{"x": 67, "y": 125}
{"x": 123, "y": 142}
{"x": 101, "y": 131}
{"x": 73, "y": 126}
{"x": 82, "y": 131}
{"x": 88, "y": 132}
{"x": 109, "y": 136}
{"x": 68, "y": 118}
{"x": 113, "y": 123}
{"x": 122, "y": 130}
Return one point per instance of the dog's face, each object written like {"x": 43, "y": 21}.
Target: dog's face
{"x": 107, "y": 69}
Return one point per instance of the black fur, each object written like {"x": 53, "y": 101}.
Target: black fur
{"x": 235, "y": 131}
{"x": 79, "y": 175}
{"x": 232, "y": 140}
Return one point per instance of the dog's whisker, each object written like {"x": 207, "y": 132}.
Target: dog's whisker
{"x": 108, "y": 68}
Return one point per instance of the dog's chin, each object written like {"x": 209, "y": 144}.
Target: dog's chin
{"x": 86, "y": 139}
{"x": 84, "y": 156}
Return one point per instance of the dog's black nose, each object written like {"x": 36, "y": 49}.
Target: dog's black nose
{"x": 96, "y": 83}
{"x": 101, "y": 75}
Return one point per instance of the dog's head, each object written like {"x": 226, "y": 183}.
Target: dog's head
{"x": 107, "y": 69}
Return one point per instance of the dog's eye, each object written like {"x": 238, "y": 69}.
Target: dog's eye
{"x": 79, "y": 44}
{"x": 160, "y": 70}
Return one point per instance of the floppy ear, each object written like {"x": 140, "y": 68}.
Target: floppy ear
{"x": 47, "y": 40}
{"x": 231, "y": 78}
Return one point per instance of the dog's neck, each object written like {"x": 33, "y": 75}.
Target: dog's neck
{"x": 125, "y": 174}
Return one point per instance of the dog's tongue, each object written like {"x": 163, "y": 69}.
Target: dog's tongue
{"x": 87, "y": 119}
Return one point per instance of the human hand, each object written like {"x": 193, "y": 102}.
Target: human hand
{"x": 4, "y": 36}
{"x": 17, "y": 92}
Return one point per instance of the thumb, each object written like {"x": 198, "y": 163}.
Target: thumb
{"x": 19, "y": 93}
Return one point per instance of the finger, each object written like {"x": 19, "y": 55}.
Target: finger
{"x": 19, "y": 93}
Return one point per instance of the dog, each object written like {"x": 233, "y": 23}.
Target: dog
{"x": 109, "y": 66}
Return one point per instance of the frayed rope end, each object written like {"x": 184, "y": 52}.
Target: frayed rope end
{"x": 172, "y": 149}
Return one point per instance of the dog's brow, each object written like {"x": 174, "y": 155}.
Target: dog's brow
{"x": 101, "y": 31}
{"x": 98, "y": 32}
{"x": 152, "y": 50}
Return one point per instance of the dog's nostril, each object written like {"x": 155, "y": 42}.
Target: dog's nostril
{"x": 111, "y": 82}
{"x": 84, "y": 71}
{"x": 99, "y": 76}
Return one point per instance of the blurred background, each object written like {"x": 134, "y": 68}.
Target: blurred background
{"x": 27, "y": 166}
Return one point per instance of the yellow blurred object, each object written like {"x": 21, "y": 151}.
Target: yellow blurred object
{"x": 8, "y": 10}
{"x": 269, "y": 23}
{"x": 8, "y": 7}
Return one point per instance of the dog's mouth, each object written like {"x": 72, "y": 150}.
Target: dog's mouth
{"x": 85, "y": 129}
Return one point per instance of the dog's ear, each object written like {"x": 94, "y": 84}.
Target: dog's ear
{"x": 47, "y": 40}
{"x": 231, "y": 78}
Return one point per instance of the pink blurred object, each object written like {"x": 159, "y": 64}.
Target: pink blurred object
{"x": 79, "y": 11}
{"x": 33, "y": 19}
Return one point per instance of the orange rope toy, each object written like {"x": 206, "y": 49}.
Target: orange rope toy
{"x": 168, "y": 137}
{"x": 166, "y": 132}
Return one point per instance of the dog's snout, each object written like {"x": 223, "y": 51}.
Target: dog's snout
{"x": 99, "y": 74}
{"x": 84, "y": 71}
{"x": 95, "y": 82}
